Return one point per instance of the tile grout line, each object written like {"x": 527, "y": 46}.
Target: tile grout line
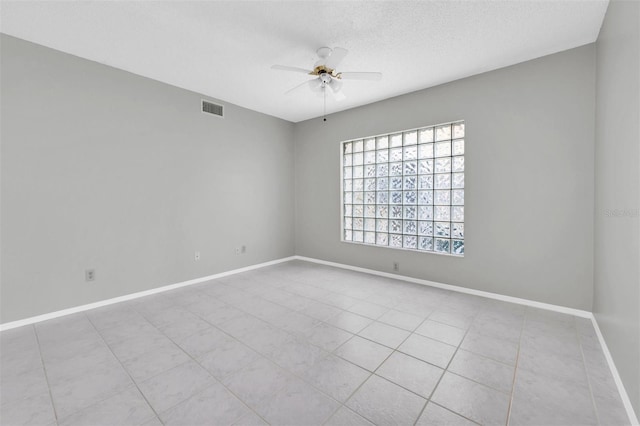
{"x": 372, "y": 373}
{"x": 445, "y": 370}
{"x": 108, "y": 395}
{"x": 473, "y": 380}
{"x": 268, "y": 358}
{"x": 428, "y": 318}
{"x": 200, "y": 365}
{"x": 588, "y": 376}
{"x": 295, "y": 336}
{"x": 394, "y": 350}
{"x": 126, "y": 371}
{"x": 340, "y": 404}
{"x": 515, "y": 369}
{"x": 194, "y": 359}
{"x": 46, "y": 376}
{"x": 297, "y": 376}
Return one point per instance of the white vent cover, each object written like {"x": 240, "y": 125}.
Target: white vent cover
{"x": 211, "y": 108}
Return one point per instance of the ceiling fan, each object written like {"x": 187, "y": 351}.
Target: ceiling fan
{"x": 325, "y": 73}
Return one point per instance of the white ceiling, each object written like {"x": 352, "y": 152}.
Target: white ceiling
{"x": 224, "y": 49}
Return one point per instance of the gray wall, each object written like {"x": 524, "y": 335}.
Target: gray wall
{"x": 617, "y": 191}
{"x": 108, "y": 170}
{"x": 529, "y": 179}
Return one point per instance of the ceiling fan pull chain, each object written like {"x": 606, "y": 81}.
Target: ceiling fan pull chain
{"x": 324, "y": 91}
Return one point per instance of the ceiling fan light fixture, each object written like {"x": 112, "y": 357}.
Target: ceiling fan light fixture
{"x": 325, "y": 78}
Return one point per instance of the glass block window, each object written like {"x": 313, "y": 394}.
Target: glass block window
{"x": 406, "y": 190}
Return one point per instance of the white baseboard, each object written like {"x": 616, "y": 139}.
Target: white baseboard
{"x": 556, "y": 308}
{"x": 616, "y": 376}
{"x": 75, "y": 309}
{"x": 577, "y": 312}
{"x": 496, "y": 296}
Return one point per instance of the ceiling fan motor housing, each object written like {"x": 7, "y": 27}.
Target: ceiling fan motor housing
{"x": 325, "y": 77}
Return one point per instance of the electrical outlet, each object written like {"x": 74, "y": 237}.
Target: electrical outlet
{"x": 196, "y": 257}
{"x": 90, "y": 275}
{"x": 396, "y": 266}
{"x": 238, "y": 250}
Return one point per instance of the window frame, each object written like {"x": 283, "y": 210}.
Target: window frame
{"x": 402, "y": 132}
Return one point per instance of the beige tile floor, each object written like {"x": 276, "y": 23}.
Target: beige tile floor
{"x": 303, "y": 344}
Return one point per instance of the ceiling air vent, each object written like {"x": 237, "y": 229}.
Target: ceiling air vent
{"x": 211, "y": 108}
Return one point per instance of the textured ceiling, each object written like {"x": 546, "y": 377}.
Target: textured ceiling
{"x": 224, "y": 49}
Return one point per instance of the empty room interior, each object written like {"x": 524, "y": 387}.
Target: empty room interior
{"x": 320, "y": 213}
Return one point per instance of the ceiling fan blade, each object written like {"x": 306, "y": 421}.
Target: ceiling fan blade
{"x": 337, "y": 55}
{"x": 313, "y": 84}
{"x": 287, "y": 68}
{"x": 374, "y": 76}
